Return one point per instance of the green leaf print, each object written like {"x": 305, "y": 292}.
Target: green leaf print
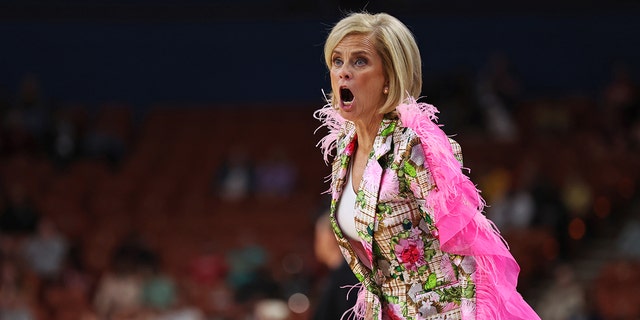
{"x": 451, "y": 294}
{"x": 409, "y": 169}
{"x": 427, "y": 218}
{"x": 384, "y": 208}
{"x": 344, "y": 161}
{"x": 370, "y": 229}
{"x": 429, "y": 254}
{"x": 431, "y": 283}
{"x": 360, "y": 198}
{"x": 375, "y": 247}
{"x": 391, "y": 299}
{"x": 469, "y": 291}
{"x": 388, "y": 130}
{"x": 404, "y": 234}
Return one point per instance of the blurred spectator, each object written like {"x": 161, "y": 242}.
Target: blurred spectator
{"x": 564, "y": 299}
{"x": 271, "y": 309}
{"x": 276, "y": 175}
{"x": 244, "y": 261}
{"x": 120, "y": 290}
{"x": 102, "y": 145}
{"x": 248, "y": 275}
{"x": 334, "y": 299}
{"x": 620, "y": 101}
{"x": 14, "y": 298}
{"x": 235, "y": 178}
{"x": 25, "y": 123}
{"x": 64, "y": 139}
{"x": 19, "y": 216}
{"x": 616, "y": 290}
{"x": 514, "y": 207}
{"x": 629, "y": 237}
{"x": 158, "y": 291}
{"x": 551, "y": 212}
{"x": 45, "y": 251}
{"x": 209, "y": 267}
{"x": 498, "y": 93}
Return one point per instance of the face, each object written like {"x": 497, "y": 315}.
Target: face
{"x": 357, "y": 78}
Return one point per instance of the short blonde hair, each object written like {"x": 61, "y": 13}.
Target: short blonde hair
{"x": 395, "y": 45}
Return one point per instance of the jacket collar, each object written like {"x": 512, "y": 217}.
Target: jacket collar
{"x": 367, "y": 194}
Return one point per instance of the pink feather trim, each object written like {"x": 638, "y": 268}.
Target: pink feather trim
{"x": 333, "y": 121}
{"x": 457, "y": 207}
{"x": 359, "y": 310}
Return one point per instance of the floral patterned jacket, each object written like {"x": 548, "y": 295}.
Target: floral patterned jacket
{"x": 410, "y": 276}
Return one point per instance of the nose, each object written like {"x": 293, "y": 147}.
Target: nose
{"x": 344, "y": 73}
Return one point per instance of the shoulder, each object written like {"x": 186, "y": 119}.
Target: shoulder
{"x": 408, "y": 139}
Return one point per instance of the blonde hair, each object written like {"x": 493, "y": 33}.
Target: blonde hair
{"x": 395, "y": 45}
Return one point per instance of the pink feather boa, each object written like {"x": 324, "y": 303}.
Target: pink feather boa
{"x": 463, "y": 229}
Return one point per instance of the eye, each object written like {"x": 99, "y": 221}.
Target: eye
{"x": 360, "y": 62}
{"x": 337, "y": 62}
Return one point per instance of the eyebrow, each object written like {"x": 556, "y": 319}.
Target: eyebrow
{"x": 359, "y": 52}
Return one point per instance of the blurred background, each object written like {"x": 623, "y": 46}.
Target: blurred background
{"x": 158, "y": 159}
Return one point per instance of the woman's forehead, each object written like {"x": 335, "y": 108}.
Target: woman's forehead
{"x": 358, "y": 42}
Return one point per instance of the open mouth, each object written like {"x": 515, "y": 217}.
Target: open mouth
{"x": 346, "y": 96}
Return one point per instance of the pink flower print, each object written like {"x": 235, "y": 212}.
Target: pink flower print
{"x": 388, "y": 185}
{"x": 468, "y": 264}
{"x": 335, "y": 194}
{"x": 416, "y": 233}
{"x": 415, "y": 188}
{"x": 351, "y": 146}
{"x": 410, "y": 252}
{"x": 468, "y": 309}
{"x": 371, "y": 172}
{"x": 449, "y": 306}
{"x": 417, "y": 155}
{"x": 367, "y": 250}
{"x": 447, "y": 270}
{"x": 393, "y": 312}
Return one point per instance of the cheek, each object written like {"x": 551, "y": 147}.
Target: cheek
{"x": 334, "y": 78}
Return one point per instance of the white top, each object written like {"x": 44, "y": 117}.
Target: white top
{"x": 346, "y": 210}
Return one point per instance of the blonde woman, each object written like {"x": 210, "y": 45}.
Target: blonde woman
{"x": 408, "y": 221}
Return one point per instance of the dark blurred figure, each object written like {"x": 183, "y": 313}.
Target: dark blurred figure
{"x": 120, "y": 290}
{"x": 46, "y": 250}
{"x": 235, "y": 178}
{"x": 276, "y": 175}
{"x": 14, "y": 291}
{"x": 565, "y": 299}
{"x": 334, "y": 300}
{"x": 108, "y": 137}
{"x": 615, "y": 290}
{"x": 498, "y": 92}
{"x": 551, "y": 212}
{"x": 621, "y": 106}
{"x": 19, "y": 216}
{"x": 25, "y": 122}
{"x": 247, "y": 268}
{"x": 64, "y": 138}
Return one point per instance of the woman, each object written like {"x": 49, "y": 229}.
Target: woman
{"x": 407, "y": 220}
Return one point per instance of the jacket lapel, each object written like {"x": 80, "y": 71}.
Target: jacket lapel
{"x": 367, "y": 196}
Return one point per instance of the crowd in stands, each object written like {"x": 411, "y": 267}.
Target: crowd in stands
{"x": 208, "y": 212}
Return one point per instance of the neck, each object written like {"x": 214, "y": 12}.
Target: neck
{"x": 367, "y": 131}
